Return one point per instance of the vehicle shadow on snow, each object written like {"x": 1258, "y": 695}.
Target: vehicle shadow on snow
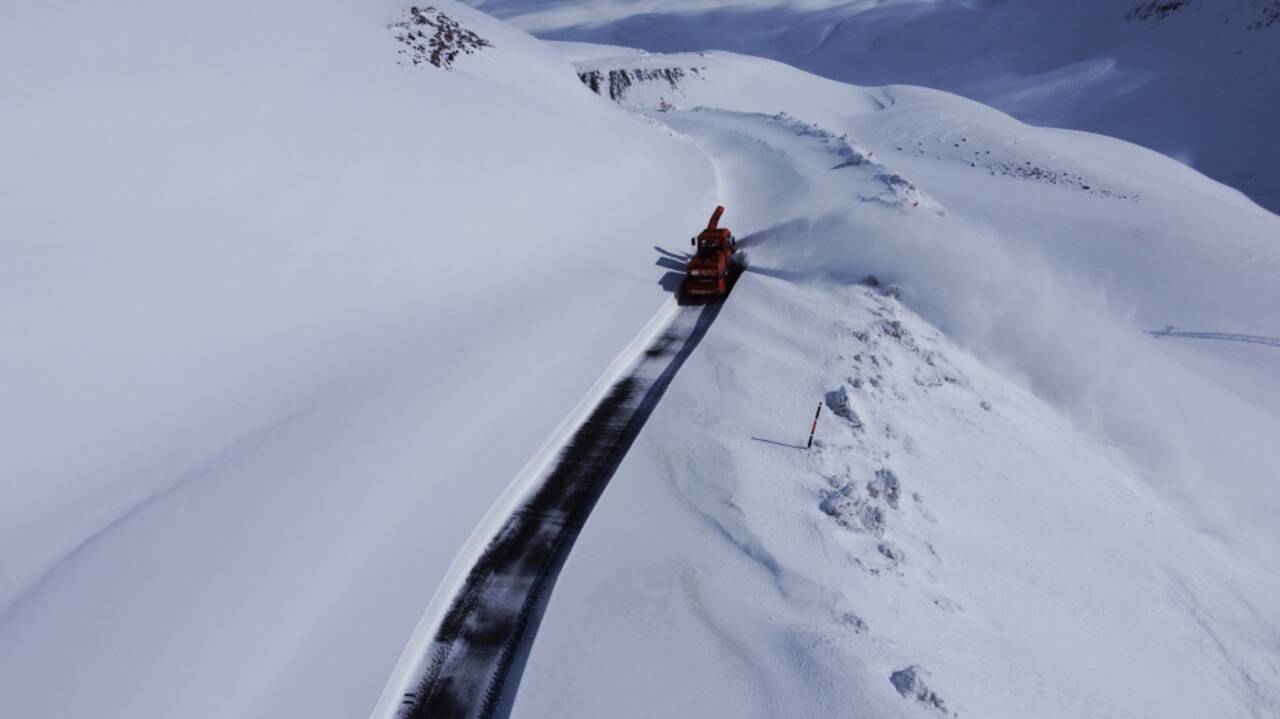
{"x": 673, "y": 280}
{"x": 680, "y": 257}
{"x": 675, "y": 262}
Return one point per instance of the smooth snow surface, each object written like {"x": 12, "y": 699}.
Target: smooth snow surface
{"x": 1195, "y": 79}
{"x": 282, "y": 319}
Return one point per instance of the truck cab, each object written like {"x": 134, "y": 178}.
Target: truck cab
{"x": 710, "y": 269}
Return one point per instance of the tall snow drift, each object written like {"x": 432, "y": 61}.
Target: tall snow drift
{"x": 284, "y": 313}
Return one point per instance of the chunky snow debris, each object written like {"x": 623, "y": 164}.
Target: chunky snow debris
{"x": 886, "y": 483}
{"x": 911, "y": 685}
{"x": 838, "y": 402}
{"x": 858, "y": 623}
{"x": 430, "y": 36}
{"x": 891, "y": 552}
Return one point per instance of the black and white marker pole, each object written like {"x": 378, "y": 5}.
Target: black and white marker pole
{"x": 814, "y": 428}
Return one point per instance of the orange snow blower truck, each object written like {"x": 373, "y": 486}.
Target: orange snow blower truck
{"x": 713, "y": 267}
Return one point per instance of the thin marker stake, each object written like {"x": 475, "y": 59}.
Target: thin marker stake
{"x": 814, "y": 428}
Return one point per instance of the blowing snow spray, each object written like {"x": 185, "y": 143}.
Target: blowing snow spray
{"x": 814, "y": 428}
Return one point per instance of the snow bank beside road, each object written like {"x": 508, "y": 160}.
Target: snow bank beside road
{"x": 953, "y": 540}
{"x": 962, "y": 544}
{"x": 1053, "y": 270}
{"x": 261, "y": 281}
{"x": 1075, "y": 342}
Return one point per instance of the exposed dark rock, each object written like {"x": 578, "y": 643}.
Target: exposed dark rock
{"x": 1156, "y": 9}
{"x": 429, "y": 36}
{"x": 620, "y": 81}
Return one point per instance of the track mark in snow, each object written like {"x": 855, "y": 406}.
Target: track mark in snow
{"x": 1258, "y": 702}
{"x": 478, "y": 651}
{"x": 747, "y": 664}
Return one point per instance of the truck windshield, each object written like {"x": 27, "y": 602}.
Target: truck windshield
{"x": 708, "y": 247}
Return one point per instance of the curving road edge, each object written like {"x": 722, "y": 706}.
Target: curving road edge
{"x": 468, "y": 652}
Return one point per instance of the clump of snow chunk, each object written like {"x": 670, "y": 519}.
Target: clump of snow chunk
{"x": 858, "y": 623}
{"x": 1027, "y": 171}
{"x": 901, "y": 193}
{"x": 842, "y": 505}
{"x": 927, "y": 379}
{"x": 934, "y": 372}
{"x": 872, "y": 518}
{"x": 1269, "y": 15}
{"x": 911, "y": 685}
{"x": 898, "y": 332}
{"x": 891, "y": 552}
{"x": 893, "y": 291}
{"x": 429, "y": 36}
{"x": 885, "y": 483}
{"x": 838, "y": 402}
{"x": 852, "y": 511}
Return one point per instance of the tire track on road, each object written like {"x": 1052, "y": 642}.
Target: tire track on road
{"x": 476, "y": 657}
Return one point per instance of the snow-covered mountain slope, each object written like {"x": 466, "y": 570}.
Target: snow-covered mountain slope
{"x": 289, "y": 311}
{"x": 952, "y": 545}
{"x": 956, "y": 543}
{"x": 1194, "y": 79}
{"x": 284, "y": 313}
